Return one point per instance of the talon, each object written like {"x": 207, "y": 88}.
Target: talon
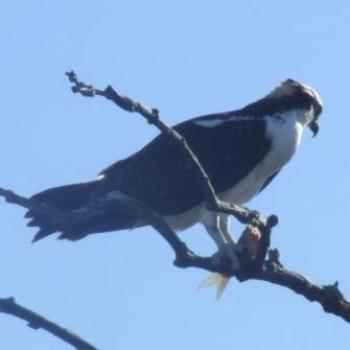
{"x": 227, "y": 257}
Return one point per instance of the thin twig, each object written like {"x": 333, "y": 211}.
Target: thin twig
{"x": 35, "y": 321}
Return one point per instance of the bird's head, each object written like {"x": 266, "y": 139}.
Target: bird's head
{"x": 300, "y": 95}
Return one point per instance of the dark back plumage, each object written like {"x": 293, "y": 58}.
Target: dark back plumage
{"x": 158, "y": 175}
{"x": 228, "y": 145}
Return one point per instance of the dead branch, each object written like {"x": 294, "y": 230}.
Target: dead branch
{"x": 35, "y": 321}
{"x": 251, "y": 268}
{"x": 263, "y": 265}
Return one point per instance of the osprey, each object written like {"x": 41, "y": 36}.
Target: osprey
{"x": 241, "y": 151}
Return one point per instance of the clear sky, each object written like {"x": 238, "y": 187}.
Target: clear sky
{"x": 120, "y": 290}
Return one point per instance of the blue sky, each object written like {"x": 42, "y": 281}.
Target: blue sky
{"x": 186, "y": 58}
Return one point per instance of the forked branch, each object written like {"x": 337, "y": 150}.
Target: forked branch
{"x": 263, "y": 264}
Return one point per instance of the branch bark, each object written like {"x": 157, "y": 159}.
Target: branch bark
{"x": 35, "y": 321}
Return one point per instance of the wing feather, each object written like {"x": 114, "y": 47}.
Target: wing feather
{"x": 157, "y": 174}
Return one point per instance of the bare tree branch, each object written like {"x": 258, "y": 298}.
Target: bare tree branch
{"x": 251, "y": 268}
{"x": 262, "y": 264}
{"x": 329, "y": 296}
{"x": 35, "y": 321}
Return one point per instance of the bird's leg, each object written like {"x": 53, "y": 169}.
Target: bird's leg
{"x": 224, "y": 221}
{"x": 217, "y": 226}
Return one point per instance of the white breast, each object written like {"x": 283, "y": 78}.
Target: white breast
{"x": 285, "y": 135}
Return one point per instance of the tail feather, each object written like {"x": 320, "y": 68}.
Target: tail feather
{"x": 42, "y": 233}
{"x": 28, "y": 214}
{"x": 70, "y": 198}
{"x": 33, "y": 222}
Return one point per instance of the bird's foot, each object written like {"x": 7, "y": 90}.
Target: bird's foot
{"x": 227, "y": 257}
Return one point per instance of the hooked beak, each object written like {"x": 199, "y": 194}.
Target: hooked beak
{"x": 314, "y": 127}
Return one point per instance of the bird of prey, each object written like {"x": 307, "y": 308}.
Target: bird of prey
{"x": 241, "y": 151}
